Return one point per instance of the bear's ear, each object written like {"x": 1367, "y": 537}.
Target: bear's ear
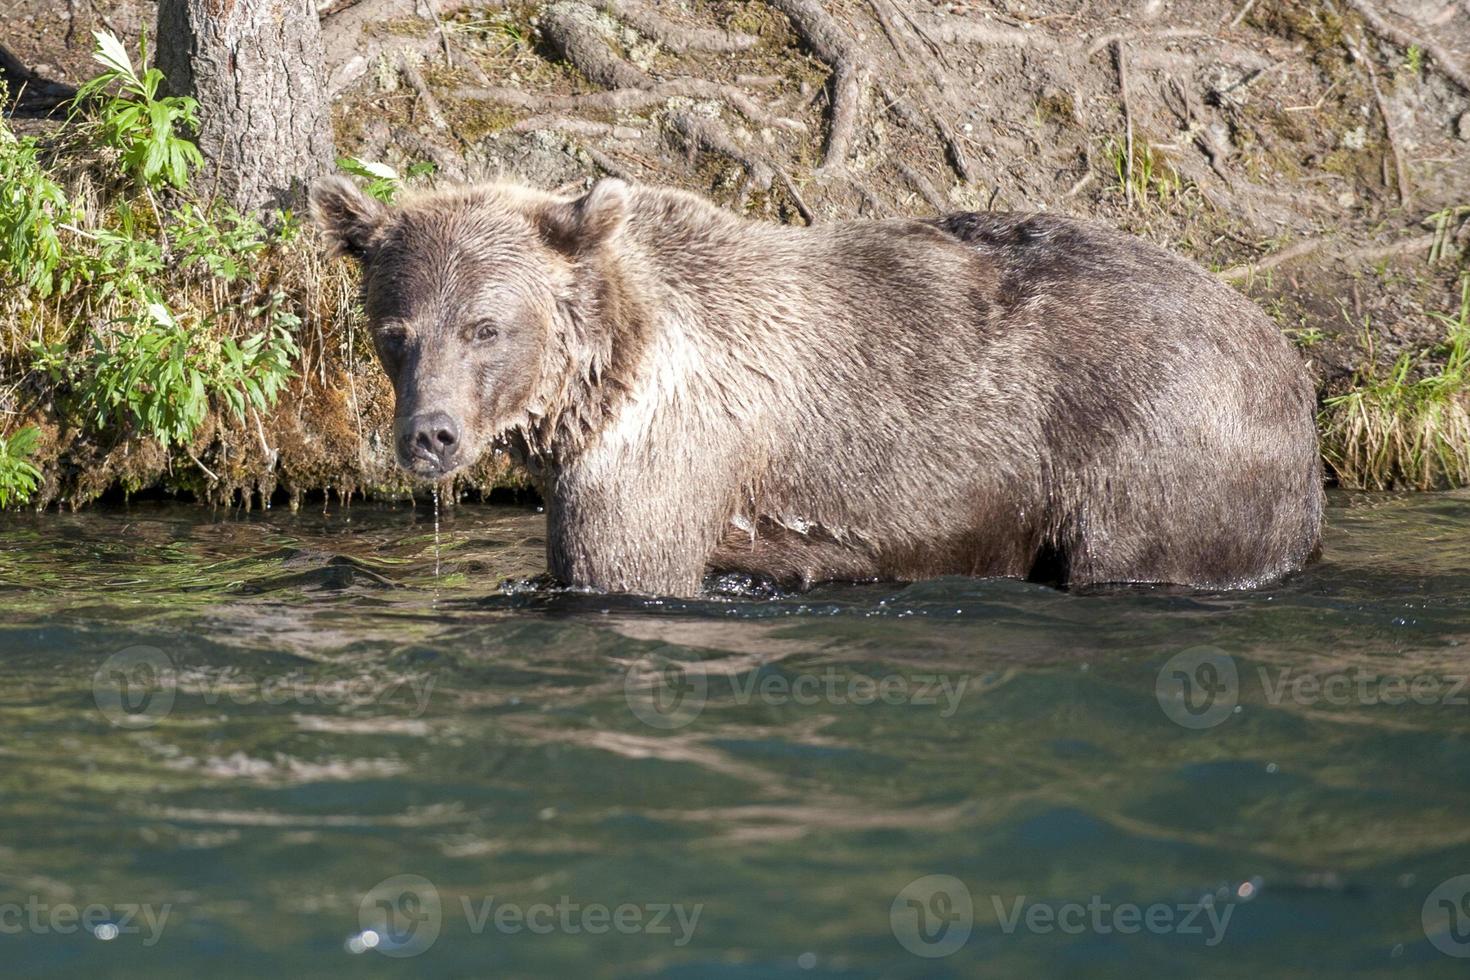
{"x": 345, "y": 215}
{"x": 591, "y": 220}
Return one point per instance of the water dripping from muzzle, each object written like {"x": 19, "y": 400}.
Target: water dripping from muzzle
{"x": 436, "y": 534}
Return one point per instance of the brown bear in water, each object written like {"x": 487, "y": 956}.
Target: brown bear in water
{"x": 981, "y": 394}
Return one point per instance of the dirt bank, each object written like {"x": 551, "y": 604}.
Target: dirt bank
{"x": 1315, "y": 153}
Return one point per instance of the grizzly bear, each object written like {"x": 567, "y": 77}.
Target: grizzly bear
{"x": 993, "y": 394}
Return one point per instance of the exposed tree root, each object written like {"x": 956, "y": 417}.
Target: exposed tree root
{"x": 908, "y": 55}
{"x": 909, "y": 76}
{"x": 708, "y": 134}
{"x": 921, "y": 184}
{"x": 761, "y": 172}
{"x": 571, "y": 32}
{"x": 678, "y": 38}
{"x": 959, "y": 31}
{"x": 633, "y": 99}
{"x": 802, "y": 208}
{"x": 831, "y": 44}
{"x": 1401, "y": 173}
{"x": 349, "y": 58}
{"x": 1121, "y": 54}
{"x": 579, "y": 127}
{"x": 1370, "y": 253}
{"x": 415, "y": 78}
{"x": 1381, "y": 26}
{"x": 608, "y": 165}
{"x": 1167, "y": 34}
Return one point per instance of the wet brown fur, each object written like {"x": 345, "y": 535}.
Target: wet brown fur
{"x": 981, "y": 394}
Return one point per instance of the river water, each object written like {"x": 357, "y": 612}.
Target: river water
{"x": 280, "y": 742}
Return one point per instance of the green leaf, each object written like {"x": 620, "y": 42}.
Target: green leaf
{"x": 111, "y": 54}
{"x": 367, "y": 168}
{"x": 23, "y": 442}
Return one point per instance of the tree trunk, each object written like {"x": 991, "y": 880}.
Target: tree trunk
{"x": 255, "y": 66}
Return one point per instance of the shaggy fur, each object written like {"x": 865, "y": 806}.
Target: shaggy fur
{"x": 981, "y": 394}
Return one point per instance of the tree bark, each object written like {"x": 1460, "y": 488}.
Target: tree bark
{"x": 255, "y": 66}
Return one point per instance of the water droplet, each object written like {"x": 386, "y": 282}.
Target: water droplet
{"x": 436, "y": 531}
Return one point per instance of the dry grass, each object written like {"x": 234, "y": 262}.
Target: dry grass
{"x": 1408, "y": 428}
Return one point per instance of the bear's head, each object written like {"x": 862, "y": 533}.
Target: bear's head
{"x": 473, "y": 296}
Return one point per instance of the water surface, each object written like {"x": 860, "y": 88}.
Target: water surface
{"x": 227, "y": 739}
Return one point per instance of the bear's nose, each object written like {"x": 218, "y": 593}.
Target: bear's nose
{"x": 433, "y": 436}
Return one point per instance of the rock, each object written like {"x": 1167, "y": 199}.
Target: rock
{"x": 1462, "y": 128}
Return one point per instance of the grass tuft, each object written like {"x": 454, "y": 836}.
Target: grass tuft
{"x": 1152, "y": 177}
{"x": 1406, "y": 428}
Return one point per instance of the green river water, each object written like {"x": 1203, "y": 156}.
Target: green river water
{"x": 316, "y": 744}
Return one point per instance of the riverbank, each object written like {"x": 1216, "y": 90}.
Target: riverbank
{"x": 1311, "y": 154}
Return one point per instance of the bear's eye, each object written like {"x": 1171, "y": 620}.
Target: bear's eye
{"x": 392, "y": 340}
{"x": 484, "y": 332}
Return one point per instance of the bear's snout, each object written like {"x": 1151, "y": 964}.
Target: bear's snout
{"x": 428, "y": 443}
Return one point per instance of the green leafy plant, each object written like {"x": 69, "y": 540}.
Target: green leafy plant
{"x": 383, "y": 182}
{"x": 160, "y": 377}
{"x": 1414, "y": 59}
{"x": 223, "y": 242}
{"x": 163, "y": 314}
{"x": 118, "y": 264}
{"x": 129, "y": 116}
{"x": 1305, "y": 337}
{"x": 18, "y": 476}
{"x": 33, "y": 208}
